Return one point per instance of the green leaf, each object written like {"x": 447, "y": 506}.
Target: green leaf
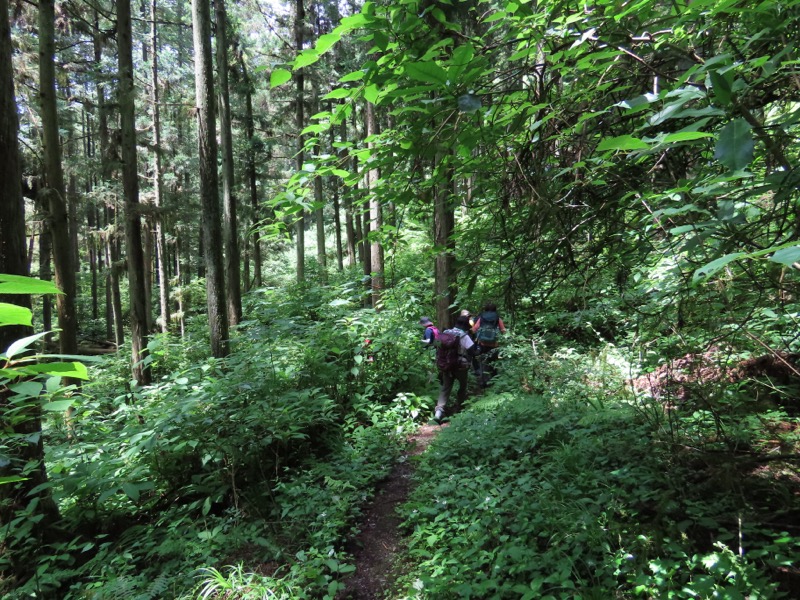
{"x": 735, "y": 145}
{"x": 279, "y": 77}
{"x": 353, "y": 76}
{"x": 427, "y": 72}
{"x": 685, "y": 136}
{"x": 132, "y": 490}
{"x": 27, "y": 389}
{"x": 19, "y": 284}
{"x": 12, "y": 479}
{"x": 371, "y": 93}
{"x": 721, "y": 84}
{"x": 305, "y": 58}
{"x": 338, "y": 93}
{"x": 57, "y": 405}
{"x": 13, "y": 314}
{"x": 326, "y": 41}
{"x": 707, "y": 271}
{"x": 75, "y": 370}
{"x": 787, "y": 256}
{"x": 22, "y": 344}
{"x": 623, "y": 142}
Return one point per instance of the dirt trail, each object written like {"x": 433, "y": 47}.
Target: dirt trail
{"x": 376, "y": 546}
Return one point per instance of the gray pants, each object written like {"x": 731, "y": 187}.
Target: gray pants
{"x": 448, "y": 378}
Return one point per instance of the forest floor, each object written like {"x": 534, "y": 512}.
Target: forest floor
{"x": 378, "y": 543}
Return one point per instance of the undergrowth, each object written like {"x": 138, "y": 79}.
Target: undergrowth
{"x": 574, "y": 490}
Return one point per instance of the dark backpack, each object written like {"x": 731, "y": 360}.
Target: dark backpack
{"x": 487, "y": 332}
{"x": 448, "y": 350}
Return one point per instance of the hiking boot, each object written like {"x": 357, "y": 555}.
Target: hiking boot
{"x": 438, "y": 416}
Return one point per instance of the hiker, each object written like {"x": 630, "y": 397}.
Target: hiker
{"x": 487, "y": 328}
{"x": 453, "y": 353}
{"x": 431, "y": 333}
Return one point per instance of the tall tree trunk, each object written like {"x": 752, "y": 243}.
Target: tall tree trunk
{"x": 350, "y": 232}
{"x": 337, "y": 217}
{"x": 158, "y": 182}
{"x": 443, "y": 225}
{"x": 375, "y": 212}
{"x": 54, "y": 189}
{"x": 366, "y": 249}
{"x": 209, "y": 181}
{"x": 130, "y": 185}
{"x": 249, "y": 125}
{"x": 229, "y": 224}
{"x": 13, "y": 261}
{"x": 300, "y": 227}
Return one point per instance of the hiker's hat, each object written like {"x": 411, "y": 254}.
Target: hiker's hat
{"x": 425, "y": 321}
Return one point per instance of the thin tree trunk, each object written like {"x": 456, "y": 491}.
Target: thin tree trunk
{"x": 130, "y": 183}
{"x": 249, "y": 124}
{"x": 209, "y": 181}
{"x": 55, "y": 191}
{"x": 158, "y": 182}
{"x": 375, "y": 212}
{"x": 300, "y": 227}
{"x": 337, "y": 217}
{"x": 229, "y": 224}
{"x": 350, "y": 233}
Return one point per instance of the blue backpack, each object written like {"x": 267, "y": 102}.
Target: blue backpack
{"x": 489, "y": 327}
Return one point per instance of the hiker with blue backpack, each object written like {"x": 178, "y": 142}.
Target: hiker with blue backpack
{"x": 454, "y": 352}
{"x": 487, "y": 329}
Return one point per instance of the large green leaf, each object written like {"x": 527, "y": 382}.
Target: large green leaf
{"x": 19, "y": 284}
{"x": 12, "y": 314}
{"x": 279, "y": 77}
{"x": 709, "y": 270}
{"x": 74, "y": 370}
{"x": 623, "y": 142}
{"x": 787, "y": 256}
{"x": 305, "y": 58}
{"x": 427, "y": 72}
{"x": 735, "y": 145}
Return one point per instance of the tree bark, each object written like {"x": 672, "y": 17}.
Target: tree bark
{"x": 229, "y": 224}
{"x": 350, "y": 232}
{"x": 249, "y": 124}
{"x": 13, "y": 261}
{"x": 375, "y": 213}
{"x": 300, "y": 227}
{"x": 158, "y": 182}
{"x": 130, "y": 184}
{"x": 209, "y": 181}
{"x": 55, "y": 191}
{"x": 337, "y": 217}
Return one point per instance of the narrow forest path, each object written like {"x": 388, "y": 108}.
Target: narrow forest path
{"x": 378, "y": 542}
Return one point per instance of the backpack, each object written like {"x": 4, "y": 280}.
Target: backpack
{"x": 487, "y": 332}
{"x": 448, "y": 350}
{"x": 435, "y": 332}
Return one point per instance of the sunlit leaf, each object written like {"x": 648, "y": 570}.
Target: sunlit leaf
{"x": 279, "y": 77}
{"x": 19, "y": 284}
{"x": 13, "y": 314}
